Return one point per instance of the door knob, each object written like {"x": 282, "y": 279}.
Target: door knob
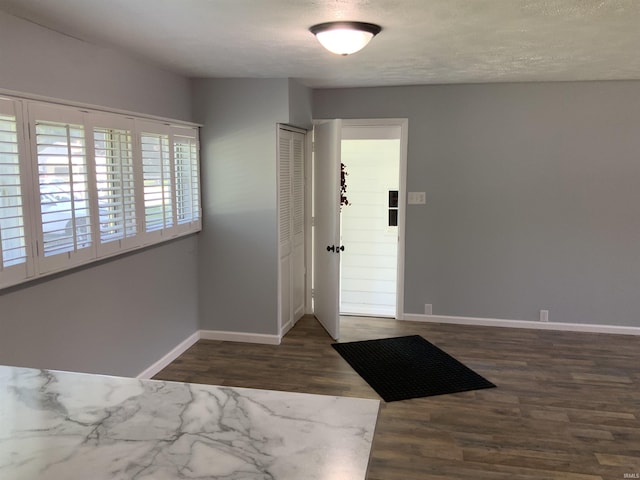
{"x": 341, "y": 248}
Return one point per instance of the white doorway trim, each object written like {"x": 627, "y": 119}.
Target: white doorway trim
{"x": 403, "y": 123}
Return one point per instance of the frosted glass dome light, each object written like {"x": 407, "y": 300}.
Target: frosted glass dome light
{"x": 345, "y": 38}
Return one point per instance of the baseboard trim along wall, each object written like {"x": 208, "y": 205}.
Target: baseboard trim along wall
{"x": 240, "y": 337}
{"x": 207, "y": 335}
{"x": 496, "y": 322}
{"x": 410, "y": 317}
{"x": 171, "y": 356}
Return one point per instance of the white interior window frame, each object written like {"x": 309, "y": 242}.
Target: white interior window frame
{"x": 27, "y": 110}
{"x": 113, "y": 122}
{"x": 17, "y": 273}
{"x": 191, "y": 133}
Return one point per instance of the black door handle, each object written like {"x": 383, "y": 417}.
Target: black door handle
{"x": 341, "y": 248}
{"x": 331, "y": 248}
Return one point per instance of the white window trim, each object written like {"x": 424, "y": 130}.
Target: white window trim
{"x": 27, "y": 111}
{"x": 17, "y": 273}
{"x": 100, "y": 120}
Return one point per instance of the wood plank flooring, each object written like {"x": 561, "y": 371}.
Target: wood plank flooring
{"x": 567, "y": 405}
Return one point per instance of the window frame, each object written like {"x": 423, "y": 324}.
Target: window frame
{"x": 28, "y": 113}
{"x": 13, "y": 274}
{"x": 110, "y": 122}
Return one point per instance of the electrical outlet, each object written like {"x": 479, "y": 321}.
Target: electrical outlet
{"x": 544, "y": 315}
{"x": 417, "y": 198}
{"x": 428, "y": 309}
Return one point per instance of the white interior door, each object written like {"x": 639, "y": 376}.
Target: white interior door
{"x": 326, "y": 240}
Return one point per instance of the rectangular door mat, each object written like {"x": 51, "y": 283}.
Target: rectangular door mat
{"x": 409, "y": 367}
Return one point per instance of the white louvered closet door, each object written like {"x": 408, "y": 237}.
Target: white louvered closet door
{"x": 291, "y": 149}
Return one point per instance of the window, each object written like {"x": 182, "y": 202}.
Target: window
{"x": 156, "y": 168}
{"x": 11, "y": 219}
{"x": 115, "y": 186}
{"x": 64, "y": 187}
{"x": 88, "y": 184}
{"x": 14, "y": 258}
{"x": 185, "y": 153}
{"x": 171, "y": 170}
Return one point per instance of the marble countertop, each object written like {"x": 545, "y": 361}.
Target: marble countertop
{"x": 71, "y": 426}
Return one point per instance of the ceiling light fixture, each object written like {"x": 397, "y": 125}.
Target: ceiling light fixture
{"x": 344, "y": 38}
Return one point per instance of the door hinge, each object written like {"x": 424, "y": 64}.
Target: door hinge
{"x": 313, "y": 292}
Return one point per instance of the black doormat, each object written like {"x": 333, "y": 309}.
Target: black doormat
{"x": 409, "y": 367}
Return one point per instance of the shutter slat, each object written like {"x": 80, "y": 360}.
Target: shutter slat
{"x": 156, "y": 170}
{"x": 114, "y": 169}
{"x": 12, "y": 236}
{"x": 62, "y": 166}
{"x": 186, "y": 178}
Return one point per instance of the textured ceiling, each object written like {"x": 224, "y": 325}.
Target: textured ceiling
{"x": 422, "y": 42}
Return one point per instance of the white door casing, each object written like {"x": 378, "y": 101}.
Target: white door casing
{"x": 403, "y": 124}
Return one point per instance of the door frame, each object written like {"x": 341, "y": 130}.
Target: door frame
{"x": 403, "y": 123}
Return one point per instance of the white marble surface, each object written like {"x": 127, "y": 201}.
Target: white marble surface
{"x": 71, "y": 426}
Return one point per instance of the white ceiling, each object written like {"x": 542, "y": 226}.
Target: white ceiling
{"x": 422, "y": 41}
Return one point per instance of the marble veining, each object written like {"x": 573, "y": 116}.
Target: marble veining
{"x": 61, "y": 425}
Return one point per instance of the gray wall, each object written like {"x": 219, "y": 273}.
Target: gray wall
{"x": 238, "y": 248}
{"x": 532, "y": 196}
{"x": 35, "y": 60}
{"x": 120, "y": 316}
{"x": 300, "y": 105}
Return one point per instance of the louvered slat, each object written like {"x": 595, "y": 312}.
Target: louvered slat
{"x": 186, "y": 178}
{"x": 64, "y": 187}
{"x": 114, "y": 183}
{"x": 156, "y": 168}
{"x": 298, "y": 185}
{"x": 12, "y": 235}
{"x": 284, "y": 180}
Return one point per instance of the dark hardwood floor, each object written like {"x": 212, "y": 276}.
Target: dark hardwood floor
{"x": 566, "y": 406}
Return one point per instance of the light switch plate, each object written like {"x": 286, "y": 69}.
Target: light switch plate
{"x": 417, "y": 198}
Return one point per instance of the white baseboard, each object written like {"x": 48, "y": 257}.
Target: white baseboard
{"x": 495, "y": 322}
{"x": 412, "y": 317}
{"x": 286, "y": 327}
{"x": 207, "y": 335}
{"x": 171, "y": 356}
{"x": 240, "y": 337}
{"x": 289, "y": 325}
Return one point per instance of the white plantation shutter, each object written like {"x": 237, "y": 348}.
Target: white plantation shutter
{"x": 15, "y": 262}
{"x": 78, "y": 184}
{"x": 115, "y": 183}
{"x": 66, "y": 223}
{"x": 156, "y": 169}
{"x": 187, "y": 181}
